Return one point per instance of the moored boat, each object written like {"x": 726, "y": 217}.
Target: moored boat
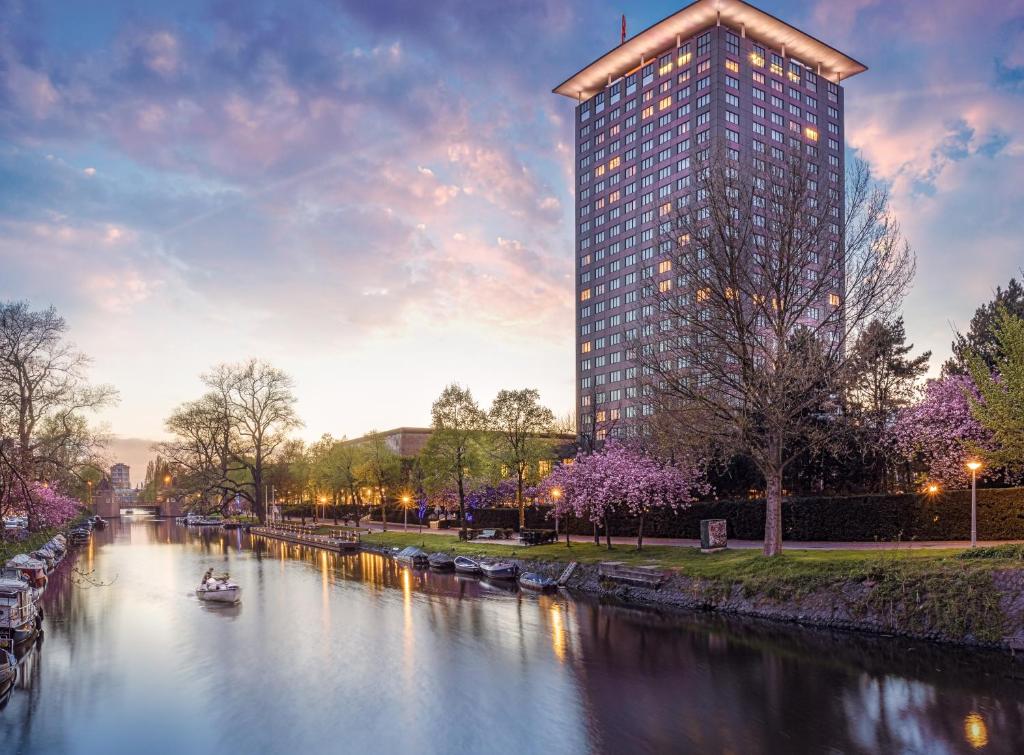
{"x": 466, "y": 565}
{"x": 441, "y": 561}
{"x": 412, "y": 556}
{"x": 31, "y": 569}
{"x": 535, "y": 581}
{"x": 218, "y": 589}
{"x": 99, "y": 522}
{"x": 500, "y": 570}
{"x": 8, "y": 671}
{"x": 20, "y": 619}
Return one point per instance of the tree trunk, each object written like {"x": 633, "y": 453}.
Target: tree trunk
{"x": 773, "y": 514}
{"x": 383, "y": 508}
{"x": 335, "y": 508}
{"x": 519, "y": 499}
{"x": 640, "y": 533}
{"x": 462, "y": 508}
{"x": 597, "y": 538}
{"x": 607, "y": 532}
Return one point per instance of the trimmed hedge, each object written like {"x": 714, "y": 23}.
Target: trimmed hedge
{"x": 944, "y": 516}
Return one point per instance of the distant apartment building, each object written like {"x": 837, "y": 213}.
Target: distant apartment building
{"x": 718, "y": 75}
{"x": 120, "y": 476}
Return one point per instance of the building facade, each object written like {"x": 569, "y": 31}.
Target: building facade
{"x": 719, "y": 76}
{"x": 120, "y": 476}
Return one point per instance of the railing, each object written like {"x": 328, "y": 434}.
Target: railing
{"x": 304, "y": 536}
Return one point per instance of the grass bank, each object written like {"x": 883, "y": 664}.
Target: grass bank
{"x": 946, "y": 594}
{"x": 10, "y": 548}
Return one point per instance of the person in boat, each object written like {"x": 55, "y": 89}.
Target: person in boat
{"x": 207, "y": 578}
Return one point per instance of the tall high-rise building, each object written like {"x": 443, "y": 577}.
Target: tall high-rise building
{"x": 716, "y": 75}
{"x": 120, "y": 476}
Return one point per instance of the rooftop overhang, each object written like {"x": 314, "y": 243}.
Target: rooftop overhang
{"x": 736, "y": 14}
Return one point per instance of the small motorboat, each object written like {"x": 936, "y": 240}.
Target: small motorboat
{"x": 210, "y": 521}
{"x": 441, "y": 562}
{"x": 535, "y": 581}
{"x": 412, "y": 556}
{"x": 218, "y": 589}
{"x": 465, "y": 565}
{"x": 99, "y": 522}
{"x": 47, "y": 557}
{"x": 8, "y": 671}
{"x": 500, "y": 570}
{"x": 232, "y": 525}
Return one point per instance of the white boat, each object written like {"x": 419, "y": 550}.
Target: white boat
{"x": 535, "y": 581}
{"x": 218, "y": 589}
{"x": 465, "y": 565}
{"x": 500, "y": 570}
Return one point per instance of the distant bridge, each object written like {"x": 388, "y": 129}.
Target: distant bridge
{"x": 109, "y": 508}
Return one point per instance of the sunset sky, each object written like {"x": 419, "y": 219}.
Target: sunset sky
{"x": 376, "y": 196}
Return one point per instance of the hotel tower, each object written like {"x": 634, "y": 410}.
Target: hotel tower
{"x": 718, "y": 74}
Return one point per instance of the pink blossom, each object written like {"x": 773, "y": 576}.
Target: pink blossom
{"x": 941, "y": 431}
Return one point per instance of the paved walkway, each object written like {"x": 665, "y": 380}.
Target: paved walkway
{"x": 693, "y": 543}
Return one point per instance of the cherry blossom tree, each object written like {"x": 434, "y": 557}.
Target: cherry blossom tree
{"x": 620, "y": 477}
{"x": 941, "y": 432}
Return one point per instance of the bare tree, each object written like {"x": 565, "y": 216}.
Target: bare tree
{"x": 763, "y": 278}
{"x": 44, "y": 396}
{"x": 227, "y": 439}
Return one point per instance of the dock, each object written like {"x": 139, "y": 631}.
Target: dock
{"x": 338, "y": 542}
{"x": 637, "y": 576}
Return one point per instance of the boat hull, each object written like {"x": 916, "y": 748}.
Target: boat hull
{"x": 222, "y": 595}
{"x": 500, "y": 572}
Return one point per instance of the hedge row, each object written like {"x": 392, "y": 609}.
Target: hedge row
{"x": 944, "y": 516}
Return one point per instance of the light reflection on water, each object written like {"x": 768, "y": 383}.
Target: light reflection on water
{"x": 331, "y": 653}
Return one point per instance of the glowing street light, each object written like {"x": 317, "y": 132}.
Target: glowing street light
{"x": 406, "y": 500}
{"x": 974, "y": 466}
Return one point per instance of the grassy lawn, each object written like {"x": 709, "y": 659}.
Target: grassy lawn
{"x": 731, "y": 565}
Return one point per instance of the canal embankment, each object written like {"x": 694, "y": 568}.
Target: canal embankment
{"x": 954, "y": 596}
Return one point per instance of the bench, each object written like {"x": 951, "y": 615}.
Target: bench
{"x": 537, "y": 537}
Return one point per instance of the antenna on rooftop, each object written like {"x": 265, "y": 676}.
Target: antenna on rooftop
{"x": 623, "y": 39}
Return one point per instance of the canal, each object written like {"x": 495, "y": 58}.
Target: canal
{"x": 332, "y": 653}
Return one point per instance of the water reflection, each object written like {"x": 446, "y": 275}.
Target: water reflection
{"x": 347, "y": 653}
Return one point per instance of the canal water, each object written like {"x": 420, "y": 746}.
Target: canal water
{"x": 339, "y": 654}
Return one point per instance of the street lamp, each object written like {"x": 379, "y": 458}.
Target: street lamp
{"x": 932, "y": 489}
{"x": 556, "y": 493}
{"x": 974, "y": 466}
{"x": 406, "y": 500}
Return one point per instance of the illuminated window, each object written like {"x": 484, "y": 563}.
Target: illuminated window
{"x": 614, "y": 163}
{"x": 600, "y": 416}
{"x": 757, "y": 58}
{"x": 811, "y": 134}
{"x": 665, "y": 285}
{"x": 665, "y": 67}
{"x": 834, "y": 300}
{"x": 665, "y": 103}
{"x": 703, "y": 294}
{"x": 599, "y": 170}
{"x": 543, "y": 467}
{"x": 585, "y": 347}
{"x": 665, "y": 209}
{"x": 585, "y": 294}
{"x": 664, "y": 266}
{"x": 647, "y": 112}
{"x": 732, "y": 65}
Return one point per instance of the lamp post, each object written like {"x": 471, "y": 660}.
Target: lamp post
{"x": 405, "y": 512}
{"x": 974, "y": 466}
{"x": 555, "y": 495}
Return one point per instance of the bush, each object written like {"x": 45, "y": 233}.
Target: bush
{"x": 945, "y": 516}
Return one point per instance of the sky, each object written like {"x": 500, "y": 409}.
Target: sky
{"x": 377, "y": 196}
